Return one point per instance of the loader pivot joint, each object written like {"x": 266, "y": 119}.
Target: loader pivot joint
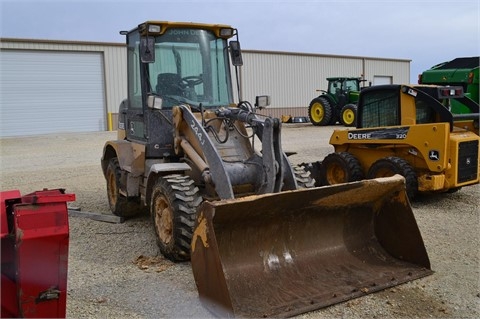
{"x": 238, "y": 114}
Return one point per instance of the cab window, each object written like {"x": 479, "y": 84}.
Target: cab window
{"x": 380, "y": 108}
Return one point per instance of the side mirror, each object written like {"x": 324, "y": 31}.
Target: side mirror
{"x": 262, "y": 101}
{"x": 147, "y": 49}
{"x": 154, "y": 102}
{"x": 236, "y": 53}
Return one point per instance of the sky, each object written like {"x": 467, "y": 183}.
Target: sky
{"x": 426, "y": 32}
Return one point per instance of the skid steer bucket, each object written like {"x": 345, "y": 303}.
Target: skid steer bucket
{"x": 278, "y": 255}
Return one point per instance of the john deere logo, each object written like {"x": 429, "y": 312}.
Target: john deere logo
{"x": 434, "y": 155}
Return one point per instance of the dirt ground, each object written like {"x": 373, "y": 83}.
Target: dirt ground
{"x": 115, "y": 270}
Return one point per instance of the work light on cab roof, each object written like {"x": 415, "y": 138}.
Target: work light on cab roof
{"x": 160, "y": 27}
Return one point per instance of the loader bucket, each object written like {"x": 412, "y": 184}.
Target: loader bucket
{"x": 279, "y": 255}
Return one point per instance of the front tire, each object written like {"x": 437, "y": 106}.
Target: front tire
{"x": 119, "y": 204}
{"x": 173, "y": 208}
{"x": 320, "y": 111}
{"x": 348, "y": 115}
{"x": 337, "y": 168}
{"x": 389, "y": 166}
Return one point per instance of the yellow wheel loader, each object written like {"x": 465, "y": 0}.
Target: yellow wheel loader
{"x": 407, "y": 130}
{"x": 221, "y": 191}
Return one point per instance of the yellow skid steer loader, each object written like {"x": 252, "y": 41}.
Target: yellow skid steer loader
{"x": 221, "y": 191}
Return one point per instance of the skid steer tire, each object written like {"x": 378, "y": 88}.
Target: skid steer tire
{"x": 314, "y": 169}
{"x": 303, "y": 177}
{"x": 389, "y": 166}
{"x": 340, "y": 168}
{"x": 348, "y": 115}
{"x": 320, "y": 111}
{"x": 173, "y": 209}
{"x": 119, "y": 204}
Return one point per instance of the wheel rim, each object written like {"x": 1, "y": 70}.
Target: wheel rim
{"x": 348, "y": 116}
{"x": 163, "y": 219}
{"x": 317, "y": 112}
{"x": 112, "y": 188}
{"x": 336, "y": 174}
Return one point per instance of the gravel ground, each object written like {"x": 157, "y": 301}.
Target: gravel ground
{"x": 115, "y": 270}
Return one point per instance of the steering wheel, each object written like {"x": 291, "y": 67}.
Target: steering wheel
{"x": 191, "y": 81}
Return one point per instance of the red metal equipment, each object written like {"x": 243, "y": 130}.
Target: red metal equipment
{"x": 34, "y": 243}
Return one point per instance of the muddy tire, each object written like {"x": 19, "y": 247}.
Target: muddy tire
{"x": 314, "y": 169}
{"x": 119, "y": 204}
{"x": 390, "y": 166}
{"x": 303, "y": 177}
{"x": 320, "y": 111}
{"x": 340, "y": 168}
{"x": 173, "y": 209}
{"x": 348, "y": 115}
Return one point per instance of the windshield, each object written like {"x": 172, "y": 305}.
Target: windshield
{"x": 351, "y": 85}
{"x": 191, "y": 66}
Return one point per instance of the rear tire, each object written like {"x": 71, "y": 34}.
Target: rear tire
{"x": 173, "y": 208}
{"x": 340, "y": 168}
{"x": 320, "y": 111}
{"x": 389, "y": 166}
{"x": 348, "y": 115}
{"x": 119, "y": 204}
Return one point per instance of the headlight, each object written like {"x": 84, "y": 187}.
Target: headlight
{"x": 226, "y": 32}
{"x": 154, "y": 28}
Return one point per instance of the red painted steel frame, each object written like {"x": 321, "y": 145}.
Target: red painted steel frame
{"x": 35, "y": 237}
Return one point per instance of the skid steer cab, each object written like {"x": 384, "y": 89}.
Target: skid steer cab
{"x": 220, "y": 190}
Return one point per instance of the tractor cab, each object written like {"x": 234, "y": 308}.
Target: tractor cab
{"x": 344, "y": 89}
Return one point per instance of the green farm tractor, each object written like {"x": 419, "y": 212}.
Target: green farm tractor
{"x": 338, "y": 104}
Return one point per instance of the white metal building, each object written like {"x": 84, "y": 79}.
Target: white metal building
{"x": 292, "y": 79}
{"x": 49, "y": 86}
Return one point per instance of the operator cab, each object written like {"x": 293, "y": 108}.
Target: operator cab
{"x": 182, "y": 63}
{"x": 171, "y": 64}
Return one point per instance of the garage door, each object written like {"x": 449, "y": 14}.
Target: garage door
{"x": 51, "y": 92}
{"x": 380, "y": 80}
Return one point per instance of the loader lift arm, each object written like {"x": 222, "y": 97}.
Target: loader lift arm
{"x": 194, "y": 139}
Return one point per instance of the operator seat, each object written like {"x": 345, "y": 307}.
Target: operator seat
{"x": 169, "y": 84}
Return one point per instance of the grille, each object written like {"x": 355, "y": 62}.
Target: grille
{"x": 467, "y": 161}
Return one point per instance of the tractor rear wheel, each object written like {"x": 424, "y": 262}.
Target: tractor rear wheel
{"x": 389, "y": 166}
{"x": 348, "y": 115}
{"x": 173, "y": 209}
{"x": 120, "y": 205}
{"x": 320, "y": 111}
{"x": 340, "y": 168}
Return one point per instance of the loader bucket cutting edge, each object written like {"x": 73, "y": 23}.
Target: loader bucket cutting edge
{"x": 284, "y": 254}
